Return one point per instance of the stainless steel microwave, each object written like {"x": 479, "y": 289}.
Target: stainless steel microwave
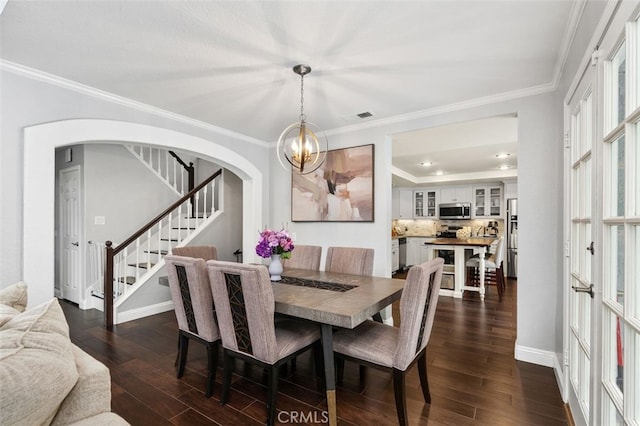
{"x": 454, "y": 211}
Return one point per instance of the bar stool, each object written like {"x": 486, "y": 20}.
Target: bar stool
{"x": 493, "y": 269}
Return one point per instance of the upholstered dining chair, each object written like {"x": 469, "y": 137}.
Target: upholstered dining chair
{"x": 397, "y": 349}
{"x": 245, "y": 308}
{"x": 493, "y": 266}
{"x": 193, "y": 304}
{"x": 304, "y": 257}
{"x": 202, "y": 252}
{"x": 350, "y": 260}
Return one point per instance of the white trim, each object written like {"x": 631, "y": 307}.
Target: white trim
{"x": 567, "y": 40}
{"x": 535, "y": 356}
{"x": 110, "y": 97}
{"x": 145, "y": 311}
{"x": 40, "y": 143}
{"x": 560, "y": 377}
{"x": 488, "y": 100}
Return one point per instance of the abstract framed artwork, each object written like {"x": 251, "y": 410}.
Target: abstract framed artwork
{"x": 341, "y": 190}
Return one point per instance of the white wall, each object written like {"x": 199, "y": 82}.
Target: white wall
{"x": 539, "y": 189}
{"x": 26, "y": 252}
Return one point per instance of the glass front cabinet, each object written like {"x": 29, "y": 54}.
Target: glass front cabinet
{"x": 425, "y": 203}
{"x": 487, "y": 201}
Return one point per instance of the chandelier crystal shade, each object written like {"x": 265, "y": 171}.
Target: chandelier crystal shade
{"x": 302, "y": 145}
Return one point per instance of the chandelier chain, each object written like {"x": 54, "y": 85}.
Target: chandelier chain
{"x": 302, "y": 115}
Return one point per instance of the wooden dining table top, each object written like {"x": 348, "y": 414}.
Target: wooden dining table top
{"x": 328, "y": 298}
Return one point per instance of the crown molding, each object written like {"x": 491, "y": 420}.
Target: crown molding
{"x": 500, "y": 97}
{"x": 64, "y": 83}
{"x": 567, "y": 40}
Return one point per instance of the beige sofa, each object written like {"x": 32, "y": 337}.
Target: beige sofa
{"x": 44, "y": 378}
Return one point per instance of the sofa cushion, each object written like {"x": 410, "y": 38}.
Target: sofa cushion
{"x": 37, "y": 367}
{"x": 15, "y": 296}
{"x": 6, "y": 313}
{"x": 91, "y": 394}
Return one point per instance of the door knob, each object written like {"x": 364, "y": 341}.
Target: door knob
{"x": 579, "y": 289}
{"x": 75, "y": 244}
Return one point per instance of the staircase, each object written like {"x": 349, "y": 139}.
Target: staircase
{"x": 133, "y": 262}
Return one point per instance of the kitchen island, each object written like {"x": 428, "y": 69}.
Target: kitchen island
{"x": 458, "y": 269}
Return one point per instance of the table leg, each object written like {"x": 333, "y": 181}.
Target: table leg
{"x": 483, "y": 251}
{"x": 329, "y": 372}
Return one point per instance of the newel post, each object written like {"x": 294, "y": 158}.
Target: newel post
{"x": 108, "y": 285}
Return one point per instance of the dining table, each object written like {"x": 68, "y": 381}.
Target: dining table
{"x": 333, "y": 300}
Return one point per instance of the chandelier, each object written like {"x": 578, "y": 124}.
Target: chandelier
{"x": 302, "y": 145}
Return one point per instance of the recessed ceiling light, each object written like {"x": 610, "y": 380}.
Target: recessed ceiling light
{"x": 503, "y": 155}
{"x": 426, "y": 163}
{"x": 504, "y": 167}
{"x": 439, "y": 173}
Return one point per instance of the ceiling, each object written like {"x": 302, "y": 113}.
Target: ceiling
{"x": 228, "y": 63}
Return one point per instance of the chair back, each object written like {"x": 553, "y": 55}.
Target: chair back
{"x": 245, "y": 307}
{"x": 350, "y": 260}
{"x": 304, "y": 257}
{"x": 499, "y": 252}
{"x": 191, "y": 295}
{"x": 201, "y": 252}
{"x": 417, "y": 310}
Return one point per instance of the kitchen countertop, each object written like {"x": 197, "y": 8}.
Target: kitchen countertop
{"x": 475, "y": 241}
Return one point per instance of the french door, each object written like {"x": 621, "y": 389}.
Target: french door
{"x": 603, "y": 323}
{"x": 581, "y": 336}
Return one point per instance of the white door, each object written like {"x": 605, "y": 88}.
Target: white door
{"x": 581, "y": 359}
{"x": 619, "y": 382}
{"x": 603, "y": 335}
{"x": 70, "y": 229}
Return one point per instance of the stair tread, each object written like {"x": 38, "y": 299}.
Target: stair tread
{"x": 142, "y": 265}
{"x": 162, "y": 252}
{"x": 128, "y": 280}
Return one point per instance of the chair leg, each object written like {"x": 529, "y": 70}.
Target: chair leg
{"x": 226, "y": 377}
{"x": 424, "y": 380}
{"x": 183, "y": 349}
{"x": 401, "y": 401}
{"x": 212, "y": 363}
{"x": 272, "y": 392}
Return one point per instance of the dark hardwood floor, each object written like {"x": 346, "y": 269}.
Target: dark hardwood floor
{"x": 473, "y": 376}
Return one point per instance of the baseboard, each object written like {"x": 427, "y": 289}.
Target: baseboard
{"x": 146, "y": 311}
{"x": 544, "y": 358}
{"x": 535, "y": 356}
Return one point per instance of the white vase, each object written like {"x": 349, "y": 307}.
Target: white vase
{"x": 275, "y": 267}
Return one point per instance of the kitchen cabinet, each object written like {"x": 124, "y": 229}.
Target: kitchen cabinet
{"x": 416, "y": 250}
{"x": 402, "y": 203}
{"x": 455, "y": 194}
{"x": 487, "y": 201}
{"x": 424, "y": 203}
{"x": 395, "y": 255}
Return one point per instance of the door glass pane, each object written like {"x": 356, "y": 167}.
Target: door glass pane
{"x": 617, "y": 89}
{"x": 611, "y": 415}
{"x": 636, "y": 170}
{"x": 616, "y": 170}
{"x": 615, "y": 281}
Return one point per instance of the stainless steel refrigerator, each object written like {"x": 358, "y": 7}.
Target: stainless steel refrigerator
{"x": 512, "y": 238}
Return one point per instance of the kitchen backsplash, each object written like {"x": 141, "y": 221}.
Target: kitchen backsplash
{"x": 428, "y": 227}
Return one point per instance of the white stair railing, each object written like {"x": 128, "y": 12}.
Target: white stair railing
{"x": 141, "y": 255}
{"x": 165, "y": 164}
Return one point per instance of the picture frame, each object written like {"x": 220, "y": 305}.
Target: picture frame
{"x": 341, "y": 190}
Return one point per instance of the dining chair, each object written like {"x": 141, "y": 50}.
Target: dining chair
{"x": 193, "y": 304}
{"x": 202, "y": 252}
{"x": 350, "y": 260}
{"x": 245, "y": 307}
{"x": 493, "y": 266}
{"x": 304, "y": 257}
{"x": 396, "y": 349}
